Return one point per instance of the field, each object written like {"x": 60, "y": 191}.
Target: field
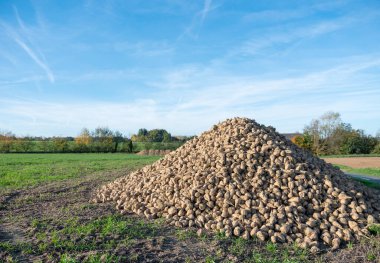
{"x": 360, "y": 165}
{"x": 45, "y": 216}
{"x": 356, "y": 162}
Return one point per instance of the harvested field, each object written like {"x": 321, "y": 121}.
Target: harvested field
{"x": 53, "y": 222}
{"x": 356, "y": 162}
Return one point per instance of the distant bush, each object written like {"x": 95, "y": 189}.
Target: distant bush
{"x": 330, "y": 135}
{"x": 356, "y": 142}
{"x": 303, "y": 141}
{"x": 140, "y": 146}
{"x": 376, "y": 149}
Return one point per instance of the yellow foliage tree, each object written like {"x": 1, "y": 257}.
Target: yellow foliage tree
{"x": 84, "y": 138}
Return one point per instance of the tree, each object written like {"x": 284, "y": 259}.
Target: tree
{"x": 130, "y": 146}
{"x": 117, "y": 138}
{"x": 158, "y": 135}
{"x": 330, "y": 135}
{"x": 357, "y": 142}
{"x": 24, "y": 144}
{"x": 304, "y": 141}
{"x": 6, "y": 141}
{"x": 142, "y": 132}
{"x": 127, "y": 146}
{"x": 325, "y": 132}
{"x": 60, "y": 144}
{"x": 103, "y": 137}
{"x": 45, "y": 146}
{"x": 84, "y": 137}
{"x": 83, "y": 140}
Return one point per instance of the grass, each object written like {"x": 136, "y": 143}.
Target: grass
{"x": 374, "y": 229}
{"x": 363, "y": 171}
{"x": 183, "y": 234}
{"x": 239, "y": 246}
{"x": 21, "y": 170}
{"x": 105, "y": 234}
{"x": 369, "y": 184}
{"x": 139, "y": 146}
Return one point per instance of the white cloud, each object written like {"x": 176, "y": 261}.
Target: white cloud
{"x": 209, "y": 97}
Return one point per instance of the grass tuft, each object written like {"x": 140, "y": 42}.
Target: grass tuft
{"x": 374, "y": 229}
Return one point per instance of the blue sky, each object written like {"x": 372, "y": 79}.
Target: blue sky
{"x": 185, "y": 65}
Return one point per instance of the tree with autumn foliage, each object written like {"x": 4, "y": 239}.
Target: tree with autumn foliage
{"x": 83, "y": 141}
{"x": 7, "y": 140}
{"x": 304, "y": 141}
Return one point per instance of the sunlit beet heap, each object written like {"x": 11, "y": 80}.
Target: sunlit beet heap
{"x": 247, "y": 180}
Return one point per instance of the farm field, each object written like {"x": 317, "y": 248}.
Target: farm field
{"x": 45, "y": 215}
{"x": 357, "y": 162}
{"x": 358, "y": 165}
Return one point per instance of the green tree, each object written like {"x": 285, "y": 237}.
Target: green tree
{"x": 357, "y": 142}
{"x": 142, "y": 132}
{"x": 24, "y": 145}
{"x": 60, "y": 144}
{"x": 117, "y": 139}
{"x": 7, "y": 140}
{"x": 158, "y": 135}
{"x": 127, "y": 146}
{"x": 326, "y": 132}
{"x": 103, "y": 138}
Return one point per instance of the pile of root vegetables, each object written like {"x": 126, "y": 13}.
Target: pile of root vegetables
{"x": 247, "y": 180}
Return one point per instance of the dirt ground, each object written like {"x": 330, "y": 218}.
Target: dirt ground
{"x": 53, "y": 223}
{"x": 356, "y": 162}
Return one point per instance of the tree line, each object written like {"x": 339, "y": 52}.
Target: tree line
{"x": 329, "y": 135}
{"x": 102, "y": 139}
{"x": 323, "y": 136}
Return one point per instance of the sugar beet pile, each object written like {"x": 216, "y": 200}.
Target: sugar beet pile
{"x": 246, "y": 179}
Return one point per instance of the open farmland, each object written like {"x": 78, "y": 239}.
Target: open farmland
{"x": 356, "y": 162}
{"x": 51, "y": 220}
{"x": 364, "y": 169}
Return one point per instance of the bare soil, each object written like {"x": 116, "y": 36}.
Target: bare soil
{"x": 356, "y": 162}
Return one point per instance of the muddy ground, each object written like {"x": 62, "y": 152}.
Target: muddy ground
{"x": 55, "y": 223}
{"x": 356, "y": 162}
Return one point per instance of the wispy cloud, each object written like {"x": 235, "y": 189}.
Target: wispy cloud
{"x": 285, "y": 36}
{"x": 209, "y": 97}
{"x": 36, "y": 59}
{"x": 17, "y": 37}
{"x": 206, "y": 9}
{"x": 217, "y": 95}
{"x": 275, "y": 15}
{"x": 198, "y": 20}
{"x": 69, "y": 118}
{"x": 143, "y": 48}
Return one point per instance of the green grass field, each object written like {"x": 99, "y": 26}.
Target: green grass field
{"x": 20, "y": 170}
{"x": 363, "y": 171}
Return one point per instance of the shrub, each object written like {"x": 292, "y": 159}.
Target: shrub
{"x": 376, "y": 149}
